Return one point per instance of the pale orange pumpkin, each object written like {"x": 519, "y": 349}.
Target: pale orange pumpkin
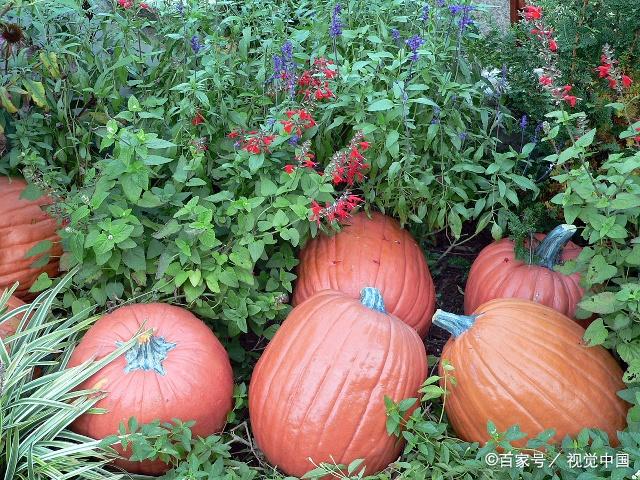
{"x": 23, "y": 225}
{"x": 497, "y": 273}
{"x": 373, "y": 252}
{"x": 520, "y": 362}
{"x": 317, "y": 392}
{"x": 180, "y": 370}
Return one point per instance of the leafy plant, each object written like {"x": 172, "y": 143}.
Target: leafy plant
{"x": 37, "y": 401}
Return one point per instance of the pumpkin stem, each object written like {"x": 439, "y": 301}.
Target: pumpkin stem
{"x": 147, "y": 354}
{"x": 372, "y": 298}
{"x": 456, "y": 325}
{"x": 550, "y": 248}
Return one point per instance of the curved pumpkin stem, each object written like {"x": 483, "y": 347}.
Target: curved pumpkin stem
{"x": 372, "y": 298}
{"x": 456, "y": 325}
{"x": 148, "y": 354}
{"x": 550, "y": 248}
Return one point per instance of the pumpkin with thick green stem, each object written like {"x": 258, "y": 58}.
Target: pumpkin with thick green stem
{"x": 179, "y": 369}
{"x": 497, "y": 273}
{"x": 520, "y": 362}
{"x": 317, "y": 393}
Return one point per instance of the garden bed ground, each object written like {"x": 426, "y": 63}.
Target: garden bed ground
{"x": 450, "y": 276}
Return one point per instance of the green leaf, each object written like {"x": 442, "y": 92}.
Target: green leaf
{"x": 39, "y": 248}
{"x": 133, "y": 105}
{"x": 604, "y": 302}
{"x": 586, "y": 139}
{"x": 596, "y": 333}
{"x": 36, "y": 89}
{"x": 42, "y": 283}
{"x": 5, "y": 101}
{"x": 380, "y": 105}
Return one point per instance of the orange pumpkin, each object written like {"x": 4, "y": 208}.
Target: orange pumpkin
{"x": 23, "y": 224}
{"x": 372, "y": 252}
{"x": 496, "y": 273}
{"x": 180, "y": 371}
{"x": 317, "y": 392}
{"x": 519, "y": 362}
{"x": 9, "y": 327}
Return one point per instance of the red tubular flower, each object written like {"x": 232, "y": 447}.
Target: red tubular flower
{"x": 566, "y": 89}
{"x": 603, "y": 70}
{"x": 197, "y": 119}
{"x": 546, "y": 81}
{"x": 289, "y": 169}
{"x": 364, "y": 145}
{"x": 531, "y": 12}
{"x": 613, "y": 83}
{"x": 570, "y": 99}
{"x": 125, "y": 3}
{"x": 233, "y": 134}
{"x": 145, "y": 6}
{"x": 626, "y": 81}
{"x": 553, "y": 45}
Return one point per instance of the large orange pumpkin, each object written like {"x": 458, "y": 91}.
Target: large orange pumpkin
{"x": 372, "y": 252}
{"x": 519, "y": 362}
{"x": 180, "y": 371}
{"x": 317, "y": 392}
{"x": 496, "y": 273}
{"x": 23, "y": 224}
{"x": 9, "y": 327}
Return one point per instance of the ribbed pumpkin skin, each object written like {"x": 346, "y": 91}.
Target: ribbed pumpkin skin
{"x": 376, "y": 253}
{"x": 496, "y": 273}
{"x": 524, "y": 363}
{"x": 23, "y": 224}
{"x": 10, "y": 326}
{"x": 318, "y": 389}
{"x": 197, "y": 385}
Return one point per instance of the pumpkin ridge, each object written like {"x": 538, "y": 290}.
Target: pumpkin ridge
{"x": 542, "y": 393}
{"x": 321, "y": 383}
{"x": 303, "y": 370}
{"x": 497, "y": 380}
{"x": 396, "y": 302}
{"x": 296, "y": 328}
{"x": 379, "y": 257}
{"x": 545, "y": 346}
{"x": 379, "y": 376}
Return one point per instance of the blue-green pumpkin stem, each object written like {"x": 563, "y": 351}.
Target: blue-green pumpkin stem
{"x": 148, "y": 354}
{"x": 372, "y": 298}
{"x": 549, "y": 251}
{"x": 456, "y": 325}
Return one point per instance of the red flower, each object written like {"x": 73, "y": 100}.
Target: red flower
{"x": 145, "y": 6}
{"x": 567, "y": 89}
{"x": 288, "y": 126}
{"x": 125, "y": 3}
{"x": 626, "y": 81}
{"x": 289, "y": 169}
{"x": 570, "y": 99}
{"x": 637, "y": 139}
{"x": 553, "y": 45}
{"x": 532, "y": 12}
{"x": 546, "y": 81}
{"x": 613, "y": 83}
{"x": 364, "y": 145}
{"x": 198, "y": 119}
{"x": 603, "y": 70}
{"x": 233, "y": 134}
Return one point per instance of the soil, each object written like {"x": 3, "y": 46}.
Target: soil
{"x": 450, "y": 276}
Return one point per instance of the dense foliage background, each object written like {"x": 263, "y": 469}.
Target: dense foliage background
{"x": 137, "y": 119}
